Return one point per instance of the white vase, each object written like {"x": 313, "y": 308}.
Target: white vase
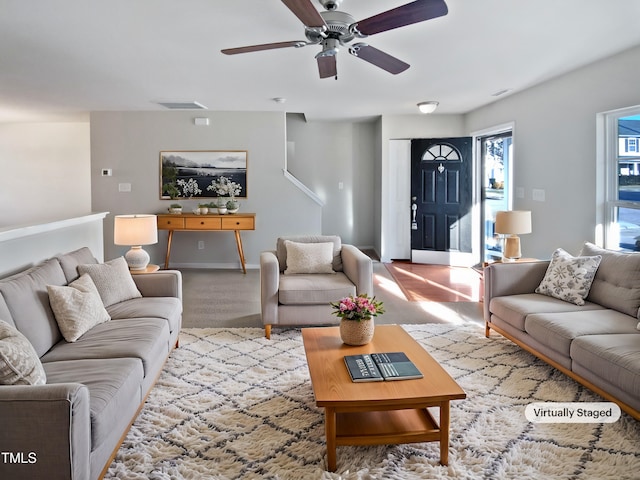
{"x": 357, "y": 332}
{"x": 222, "y": 210}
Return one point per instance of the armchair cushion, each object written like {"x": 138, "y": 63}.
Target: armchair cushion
{"x": 281, "y": 249}
{"x": 308, "y": 257}
{"x": 314, "y": 289}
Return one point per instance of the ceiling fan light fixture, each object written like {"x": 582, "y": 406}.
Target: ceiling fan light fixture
{"x": 428, "y": 107}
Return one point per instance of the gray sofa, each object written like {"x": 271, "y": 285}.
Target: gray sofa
{"x": 71, "y": 426}
{"x": 597, "y": 344}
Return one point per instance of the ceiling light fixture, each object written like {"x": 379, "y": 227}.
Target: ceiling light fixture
{"x": 279, "y": 99}
{"x": 428, "y": 107}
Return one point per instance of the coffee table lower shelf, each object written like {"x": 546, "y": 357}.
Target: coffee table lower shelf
{"x": 383, "y": 427}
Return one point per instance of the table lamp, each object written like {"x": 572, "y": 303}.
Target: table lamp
{"x": 510, "y": 224}
{"x": 135, "y": 231}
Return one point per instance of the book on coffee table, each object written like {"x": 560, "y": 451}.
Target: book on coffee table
{"x": 376, "y": 367}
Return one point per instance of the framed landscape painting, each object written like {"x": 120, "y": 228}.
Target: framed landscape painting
{"x": 194, "y": 174}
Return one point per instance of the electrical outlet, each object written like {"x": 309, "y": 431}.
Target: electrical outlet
{"x": 200, "y": 245}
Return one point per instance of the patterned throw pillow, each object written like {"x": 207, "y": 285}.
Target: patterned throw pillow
{"x": 113, "y": 281}
{"x": 19, "y": 362}
{"x": 309, "y": 257}
{"x": 77, "y": 307}
{"x": 569, "y": 278}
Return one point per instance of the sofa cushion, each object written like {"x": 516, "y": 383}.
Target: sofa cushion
{"x": 314, "y": 289}
{"x": 613, "y": 357}
{"x": 70, "y": 261}
{"x": 281, "y": 250}
{"x": 143, "y": 338}
{"x": 617, "y": 281}
{"x": 5, "y": 314}
{"x": 569, "y": 278}
{"x": 558, "y": 330}
{"x": 19, "y": 362}
{"x": 113, "y": 281}
{"x": 169, "y": 308}
{"x": 77, "y": 307}
{"x": 114, "y": 391}
{"x": 28, "y": 301}
{"x": 514, "y": 309}
{"x": 308, "y": 257}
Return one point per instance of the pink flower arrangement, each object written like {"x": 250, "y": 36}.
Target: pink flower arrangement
{"x": 357, "y": 308}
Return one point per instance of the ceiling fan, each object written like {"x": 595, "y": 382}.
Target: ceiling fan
{"x": 333, "y": 29}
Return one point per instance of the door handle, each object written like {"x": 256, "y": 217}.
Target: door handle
{"x": 414, "y": 210}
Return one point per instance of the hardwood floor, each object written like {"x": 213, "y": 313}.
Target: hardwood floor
{"x": 437, "y": 283}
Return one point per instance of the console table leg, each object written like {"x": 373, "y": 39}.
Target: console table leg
{"x": 166, "y": 260}
{"x": 444, "y": 433}
{"x": 330, "y": 432}
{"x": 240, "y": 250}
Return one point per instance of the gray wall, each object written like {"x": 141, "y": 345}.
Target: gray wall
{"x": 328, "y": 155}
{"x": 129, "y": 143}
{"x": 44, "y": 172}
{"x": 555, "y": 147}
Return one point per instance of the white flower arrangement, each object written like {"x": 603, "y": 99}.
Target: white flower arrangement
{"x": 223, "y": 186}
{"x": 190, "y": 188}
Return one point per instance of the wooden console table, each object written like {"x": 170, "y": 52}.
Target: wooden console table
{"x": 190, "y": 222}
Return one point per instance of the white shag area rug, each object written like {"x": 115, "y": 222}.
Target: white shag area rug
{"x": 232, "y": 405}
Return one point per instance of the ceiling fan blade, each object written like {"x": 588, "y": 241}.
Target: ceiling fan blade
{"x": 265, "y": 46}
{"x": 306, "y": 12}
{"x": 327, "y": 66}
{"x": 378, "y": 58}
{"x": 413, "y": 12}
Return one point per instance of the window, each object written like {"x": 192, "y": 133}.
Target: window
{"x": 623, "y": 185}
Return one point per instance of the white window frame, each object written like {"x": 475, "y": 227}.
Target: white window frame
{"x": 607, "y": 177}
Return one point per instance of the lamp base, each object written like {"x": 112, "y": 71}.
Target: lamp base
{"x": 511, "y": 248}
{"x": 137, "y": 258}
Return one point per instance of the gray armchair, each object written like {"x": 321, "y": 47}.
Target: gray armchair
{"x": 303, "y": 299}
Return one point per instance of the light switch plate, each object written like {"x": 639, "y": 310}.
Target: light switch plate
{"x": 124, "y": 187}
{"x": 537, "y": 194}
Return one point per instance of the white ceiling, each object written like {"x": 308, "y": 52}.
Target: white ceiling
{"x": 62, "y": 58}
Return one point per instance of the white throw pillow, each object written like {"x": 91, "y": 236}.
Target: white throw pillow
{"x": 113, "y": 281}
{"x": 77, "y": 307}
{"x": 309, "y": 257}
{"x": 19, "y": 362}
{"x": 569, "y": 278}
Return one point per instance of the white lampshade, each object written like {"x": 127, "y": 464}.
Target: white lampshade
{"x": 428, "y": 107}
{"x": 135, "y": 230}
{"x": 513, "y": 222}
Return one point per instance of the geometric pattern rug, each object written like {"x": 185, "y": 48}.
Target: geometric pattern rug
{"x": 230, "y": 404}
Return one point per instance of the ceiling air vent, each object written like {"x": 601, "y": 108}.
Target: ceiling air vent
{"x": 183, "y": 105}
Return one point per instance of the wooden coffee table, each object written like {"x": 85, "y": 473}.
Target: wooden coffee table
{"x": 378, "y": 413}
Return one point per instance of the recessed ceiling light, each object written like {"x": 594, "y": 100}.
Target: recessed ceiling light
{"x": 279, "y": 99}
